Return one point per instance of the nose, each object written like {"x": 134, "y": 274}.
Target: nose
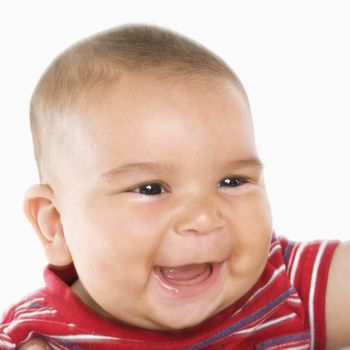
{"x": 198, "y": 216}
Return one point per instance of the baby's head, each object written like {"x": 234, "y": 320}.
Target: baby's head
{"x": 150, "y": 180}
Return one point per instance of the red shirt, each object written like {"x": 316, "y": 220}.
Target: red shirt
{"x": 284, "y": 310}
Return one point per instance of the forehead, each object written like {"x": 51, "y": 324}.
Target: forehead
{"x": 132, "y": 96}
{"x": 142, "y": 114}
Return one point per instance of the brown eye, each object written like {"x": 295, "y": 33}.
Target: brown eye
{"x": 232, "y": 182}
{"x": 149, "y": 189}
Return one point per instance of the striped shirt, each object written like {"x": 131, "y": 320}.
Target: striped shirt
{"x": 284, "y": 310}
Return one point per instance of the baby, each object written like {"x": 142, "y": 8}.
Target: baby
{"x": 153, "y": 213}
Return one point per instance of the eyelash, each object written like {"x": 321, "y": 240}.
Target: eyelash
{"x": 238, "y": 180}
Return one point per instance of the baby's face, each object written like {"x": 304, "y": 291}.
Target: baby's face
{"x": 166, "y": 214}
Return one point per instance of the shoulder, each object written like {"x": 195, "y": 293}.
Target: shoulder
{"x": 28, "y": 304}
{"x": 307, "y": 262}
{"x": 11, "y": 321}
{"x": 338, "y": 298}
{"x": 19, "y": 316}
{"x": 308, "y": 265}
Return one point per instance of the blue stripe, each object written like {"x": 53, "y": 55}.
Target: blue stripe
{"x": 242, "y": 322}
{"x": 70, "y": 345}
{"x": 35, "y": 305}
{"x": 299, "y": 336}
{"x": 286, "y": 253}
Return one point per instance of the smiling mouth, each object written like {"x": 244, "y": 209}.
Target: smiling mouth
{"x": 187, "y": 281}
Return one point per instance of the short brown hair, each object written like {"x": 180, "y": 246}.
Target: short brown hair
{"x": 99, "y": 60}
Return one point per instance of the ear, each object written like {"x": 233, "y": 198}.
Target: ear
{"x": 40, "y": 209}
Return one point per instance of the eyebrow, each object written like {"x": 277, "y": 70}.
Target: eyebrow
{"x": 250, "y": 162}
{"x": 135, "y": 167}
{"x": 123, "y": 170}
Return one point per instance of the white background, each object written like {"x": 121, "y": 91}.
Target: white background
{"x": 292, "y": 56}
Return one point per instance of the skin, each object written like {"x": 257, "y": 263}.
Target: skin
{"x": 338, "y": 299}
{"x": 212, "y": 206}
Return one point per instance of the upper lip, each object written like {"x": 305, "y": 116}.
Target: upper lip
{"x": 192, "y": 263}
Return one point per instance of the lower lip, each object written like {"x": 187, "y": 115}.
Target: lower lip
{"x": 188, "y": 291}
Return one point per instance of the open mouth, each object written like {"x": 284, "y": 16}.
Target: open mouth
{"x": 186, "y": 275}
{"x": 187, "y": 280}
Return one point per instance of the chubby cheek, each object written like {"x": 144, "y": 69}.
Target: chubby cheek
{"x": 252, "y": 237}
{"x": 116, "y": 242}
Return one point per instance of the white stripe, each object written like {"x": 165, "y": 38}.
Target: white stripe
{"x": 275, "y": 274}
{"x": 299, "y": 347}
{"x": 53, "y": 346}
{"x": 277, "y": 320}
{"x": 294, "y": 300}
{"x": 7, "y": 345}
{"x": 276, "y": 247}
{"x": 73, "y": 337}
{"x": 87, "y": 337}
{"x": 296, "y": 262}
{"x": 302, "y": 347}
{"x": 256, "y": 321}
{"x": 14, "y": 324}
{"x": 267, "y": 324}
{"x": 312, "y": 291}
{"x": 291, "y": 256}
{"x": 82, "y": 337}
{"x": 28, "y": 303}
{"x": 37, "y": 313}
{"x": 3, "y": 335}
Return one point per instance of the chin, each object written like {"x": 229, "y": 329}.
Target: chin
{"x": 182, "y": 321}
{"x": 180, "y": 325}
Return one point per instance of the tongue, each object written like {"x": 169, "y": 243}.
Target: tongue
{"x": 184, "y": 273}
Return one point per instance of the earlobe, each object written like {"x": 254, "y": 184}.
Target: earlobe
{"x": 40, "y": 209}
{"x": 57, "y": 251}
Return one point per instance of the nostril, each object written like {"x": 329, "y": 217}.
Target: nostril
{"x": 201, "y": 230}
